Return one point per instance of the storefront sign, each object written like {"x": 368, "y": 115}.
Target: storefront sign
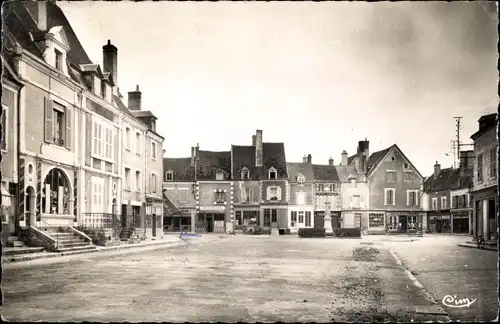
{"x": 212, "y": 209}
{"x": 461, "y": 215}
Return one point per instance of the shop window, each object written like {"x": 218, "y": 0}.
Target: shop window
{"x": 293, "y": 218}
{"x": 301, "y": 217}
{"x": 274, "y": 215}
{"x": 357, "y": 220}
{"x": 308, "y": 218}
{"x": 56, "y": 192}
{"x": 267, "y": 217}
{"x": 376, "y": 220}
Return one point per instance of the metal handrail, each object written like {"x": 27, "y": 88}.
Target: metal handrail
{"x": 39, "y": 227}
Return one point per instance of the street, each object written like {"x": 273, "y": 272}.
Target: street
{"x": 257, "y": 278}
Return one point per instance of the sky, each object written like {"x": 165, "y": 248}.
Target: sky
{"x": 318, "y": 76}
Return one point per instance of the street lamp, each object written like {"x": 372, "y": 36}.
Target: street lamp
{"x": 421, "y": 194}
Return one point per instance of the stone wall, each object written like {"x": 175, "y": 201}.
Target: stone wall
{"x": 103, "y": 237}
{"x": 34, "y": 239}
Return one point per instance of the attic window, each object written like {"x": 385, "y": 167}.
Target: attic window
{"x": 58, "y": 60}
{"x": 406, "y": 166}
{"x": 169, "y": 176}
{"x": 301, "y": 178}
{"x": 272, "y": 174}
{"x": 245, "y": 173}
{"x": 219, "y": 175}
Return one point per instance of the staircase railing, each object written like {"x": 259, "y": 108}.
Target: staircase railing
{"x": 39, "y": 222}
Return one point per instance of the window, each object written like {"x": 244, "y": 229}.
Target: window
{"x": 219, "y": 196}
{"x": 169, "y": 176}
{"x": 97, "y": 139}
{"x": 103, "y": 141}
{"x": 183, "y": 195}
{"x": 138, "y": 143}
{"x": 108, "y": 144}
{"x": 406, "y": 166}
{"x": 376, "y": 220}
{"x": 389, "y": 194}
{"x": 411, "y": 198}
{"x": 332, "y": 187}
{"x": 4, "y": 129}
{"x": 97, "y": 195}
{"x": 301, "y": 178}
{"x": 58, "y": 60}
{"x": 273, "y": 193}
{"x": 219, "y": 175}
{"x": 127, "y": 139}
{"x": 154, "y": 184}
{"x": 480, "y": 167}
{"x": 272, "y": 173}
{"x": 56, "y": 193}
{"x": 267, "y": 217}
{"x": 408, "y": 176}
{"x": 301, "y": 198}
{"x": 103, "y": 90}
{"x": 308, "y": 218}
{"x": 58, "y": 131}
{"x": 434, "y": 203}
{"x": 153, "y": 150}
{"x": 127, "y": 179}
{"x": 321, "y": 187}
{"x": 137, "y": 181}
{"x": 301, "y": 217}
{"x": 246, "y": 195}
{"x": 274, "y": 215}
{"x": 465, "y": 199}
{"x": 356, "y": 201}
{"x": 294, "y": 218}
{"x": 493, "y": 163}
{"x": 245, "y": 173}
{"x": 357, "y": 220}
{"x": 444, "y": 203}
{"x": 455, "y": 202}
{"x": 390, "y": 176}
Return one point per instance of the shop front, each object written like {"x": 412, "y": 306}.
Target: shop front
{"x": 211, "y": 219}
{"x": 461, "y": 220}
{"x": 404, "y": 222}
{"x": 246, "y": 216}
{"x": 485, "y": 204}
{"x": 439, "y": 222}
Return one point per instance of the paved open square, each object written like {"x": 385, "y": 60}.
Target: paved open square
{"x": 241, "y": 278}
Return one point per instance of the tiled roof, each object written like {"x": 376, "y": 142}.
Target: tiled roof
{"x": 486, "y": 123}
{"x": 345, "y": 171}
{"x": 142, "y": 113}
{"x": 325, "y": 173}
{"x": 18, "y": 20}
{"x": 351, "y": 158}
{"x": 169, "y": 208}
{"x": 449, "y": 178}
{"x": 273, "y": 155}
{"x": 183, "y": 171}
{"x": 375, "y": 158}
{"x": 306, "y": 169}
{"x": 122, "y": 106}
{"x": 210, "y": 162}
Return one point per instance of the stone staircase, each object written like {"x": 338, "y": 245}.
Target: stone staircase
{"x": 14, "y": 241}
{"x": 70, "y": 242}
{"x": 131, "y": 235}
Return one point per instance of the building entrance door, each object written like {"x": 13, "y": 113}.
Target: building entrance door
{"x": 124, "y": 216}
{"x": 210, "y": 223}
{"x": 404, "y": 223}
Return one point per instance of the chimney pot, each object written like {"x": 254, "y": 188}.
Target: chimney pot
{"x": 258, "y": 148}
{"x": 134, "y": 99}
{"x": 437, "y": 169}
{"x": 42, "y": 15}
{"x": 309, "y": 158}
{"x": 330, "y": 161}
{"x": 110, "y": 60}
{"x": 344, "y": 157}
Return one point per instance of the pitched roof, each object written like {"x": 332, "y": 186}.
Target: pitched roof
{"x": 449, "y": 178}
{"x": 486, "y": 123}
{"x": 325, "y": 173}
{"x": 209, "y": 162}
{"x": 344, "y": 172}
{"x": 306, "y": 169}
{"x": 273, "y": 155}
{"x": 169, "y": 208}
{"x": 351, "y": 158}
{"x": 122, "y": 107}
{"x": 375, "y": 159}
{"x": 183, "y": 171}
{"x": 142, "y": 113}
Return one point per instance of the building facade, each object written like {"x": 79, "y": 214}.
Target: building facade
{"x": 302, "y": 199}
{"x": 327, "y": 194}
{"x": 485, "y": 179}
{"x": 438, "y": 190}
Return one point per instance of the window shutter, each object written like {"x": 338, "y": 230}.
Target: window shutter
{"x": 49, "y": 127}
{"x": 279, "y": 193}
{"x": 268, "y": 192}
{"x": 68, "y": 128}
{"x": 408, "y": 193}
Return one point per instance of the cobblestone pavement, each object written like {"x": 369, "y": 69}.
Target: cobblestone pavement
{"x": 249, "y": 279}
{"x": 444, "y": 268}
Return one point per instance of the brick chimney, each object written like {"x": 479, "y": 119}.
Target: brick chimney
{"x": 134, "y": 99}
{"x": 437, "y": 170}
{"x": 110, "y": 60}
{"x": 330, "y": 162}
{"x": 258, "y": 148}
{"x": 344, "y": 157}
{"x": 309, "y": 158}
{"x": 304, "y": 159}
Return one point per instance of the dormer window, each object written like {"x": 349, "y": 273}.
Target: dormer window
{"x": 272, "y": 173}
{"x": 219, "y": 175}
{"x": 58, "y": 60}
{"x": 301, "y": 178}
{"x": 103, "y": 90}
{"x": 245, "y": 174}
{"x": 169, "y": 176}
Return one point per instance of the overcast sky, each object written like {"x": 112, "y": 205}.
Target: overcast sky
{"x": 317, "y": 76}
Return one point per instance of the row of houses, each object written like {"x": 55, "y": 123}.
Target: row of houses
{"x": 73, "y": 152}
{"x": 465, "y": 199}
{"x": 221, "y": 191}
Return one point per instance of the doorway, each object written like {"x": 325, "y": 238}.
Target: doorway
{"x": 123, "y": 218}
{"x": 404, "y": 223}
{"x": 210, "y": 223}
{"x": 30, "y": 204}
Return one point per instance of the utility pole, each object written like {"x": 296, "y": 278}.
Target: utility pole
{"x": 458, "y": 139}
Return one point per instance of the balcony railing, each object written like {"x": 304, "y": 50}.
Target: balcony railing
{"x": 98, "y": 221}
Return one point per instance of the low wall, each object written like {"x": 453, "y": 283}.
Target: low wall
{"x": 34, "y": 238}
{"x": 102, "y": 237}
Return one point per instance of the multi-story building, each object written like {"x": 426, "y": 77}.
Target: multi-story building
{"x": 485, "y": 179}
{"x": 302, "y": 198}
{"x": 394, "y": 188}
{"x": 179, "y": 193}
{"x": 438, "y": 190}
{"x": 354, "y": 196}
{"x": 326, "y": 194}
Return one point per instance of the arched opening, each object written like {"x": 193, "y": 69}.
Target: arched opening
{"x": 56, "y": 193}
{"x": 30, "y": 213}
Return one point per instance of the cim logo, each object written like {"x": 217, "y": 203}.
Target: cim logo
{"x": 452, "y": 301}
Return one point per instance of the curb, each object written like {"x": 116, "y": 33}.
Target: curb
{"x": 98, "y": 249}
{"x": 420, "y": 286}
{"x": 470, "y": 246}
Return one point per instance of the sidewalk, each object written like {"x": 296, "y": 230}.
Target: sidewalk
{"x": 170, "y": 240}
{"x": 473, "y": 245}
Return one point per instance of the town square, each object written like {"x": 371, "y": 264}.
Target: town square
{"x": 249, "y": 161}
